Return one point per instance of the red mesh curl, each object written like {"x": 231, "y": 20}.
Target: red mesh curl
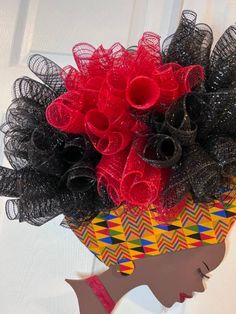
{"x": 111, "y": 143}
{"x": 124, "y": 122}
{"x": 111, "y": 104}
{"x": 116, "y": 82}
{"x": 72, "y": 78}
{"x": 142, "y": 93}
{"x": 109, "y": 172}
{"x": 114, "y": 142}
{"x": 189, "y": 77}
{"x": 169, "y": 86}
{"x": 140, "y": 182}
{"x": 91, "y": 91}
{"x": 120, "y": 57}
{"x": 66, "y": 113}
{"x": 150, "y": 42}
{"x": 82, "y": 53}
{"x": 148, "y": 55}
{"x": 100, "y": 62}
{"x": 96, "y": 123}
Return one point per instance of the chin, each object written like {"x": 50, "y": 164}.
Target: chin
{"x": 168, "y": 303}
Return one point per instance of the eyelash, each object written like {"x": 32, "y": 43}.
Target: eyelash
{"x": 201, "y": 274}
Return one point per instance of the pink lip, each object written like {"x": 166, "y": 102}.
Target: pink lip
{"x": 183, "y": 296}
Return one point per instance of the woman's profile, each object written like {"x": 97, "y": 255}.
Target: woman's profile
{"x": 172, "y": 277}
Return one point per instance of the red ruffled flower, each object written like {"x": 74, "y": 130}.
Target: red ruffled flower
{"x": 101, "y": 95}
{"x": 114, "y": 80}
{"x": 128, "y": 178}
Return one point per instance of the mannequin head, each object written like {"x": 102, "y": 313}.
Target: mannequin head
{"x": 172, "y": 259}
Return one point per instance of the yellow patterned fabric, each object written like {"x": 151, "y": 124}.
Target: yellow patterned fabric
{"x": 121, "y": 237}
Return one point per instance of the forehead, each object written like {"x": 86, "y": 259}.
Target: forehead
{"x": 121, "y": 236}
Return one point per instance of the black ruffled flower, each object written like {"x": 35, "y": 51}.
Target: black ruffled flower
{"x": 53, "y": 172}
{"x": 198, "y": 134}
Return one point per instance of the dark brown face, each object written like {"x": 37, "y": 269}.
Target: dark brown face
{"x": 173, "y": 277}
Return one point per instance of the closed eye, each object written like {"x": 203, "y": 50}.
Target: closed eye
{"x": 201, "y": 274}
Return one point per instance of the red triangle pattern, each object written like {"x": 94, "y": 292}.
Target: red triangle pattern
{"x": 197, "y": 244}
{"x": 139, "y": 255}
{"x": 219, "y": 205}
{"x": 112, "y": 224}
{"x": 104, "y": 231}
{"x": 148, "y": 249}
{"x": 206, "y": 237}
{"x": 124, "y": 268}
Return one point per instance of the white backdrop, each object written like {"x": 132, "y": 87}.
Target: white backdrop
{"x": 35, "y": 261}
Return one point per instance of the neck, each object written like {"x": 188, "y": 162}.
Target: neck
{"x": 118, "y": 285}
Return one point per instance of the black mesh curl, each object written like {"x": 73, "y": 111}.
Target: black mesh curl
{"x": 190, "y": 44}
{"x": 48, "y": 72}
{"x": 223, "y": 62}
{"x": 53, "y": 173}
